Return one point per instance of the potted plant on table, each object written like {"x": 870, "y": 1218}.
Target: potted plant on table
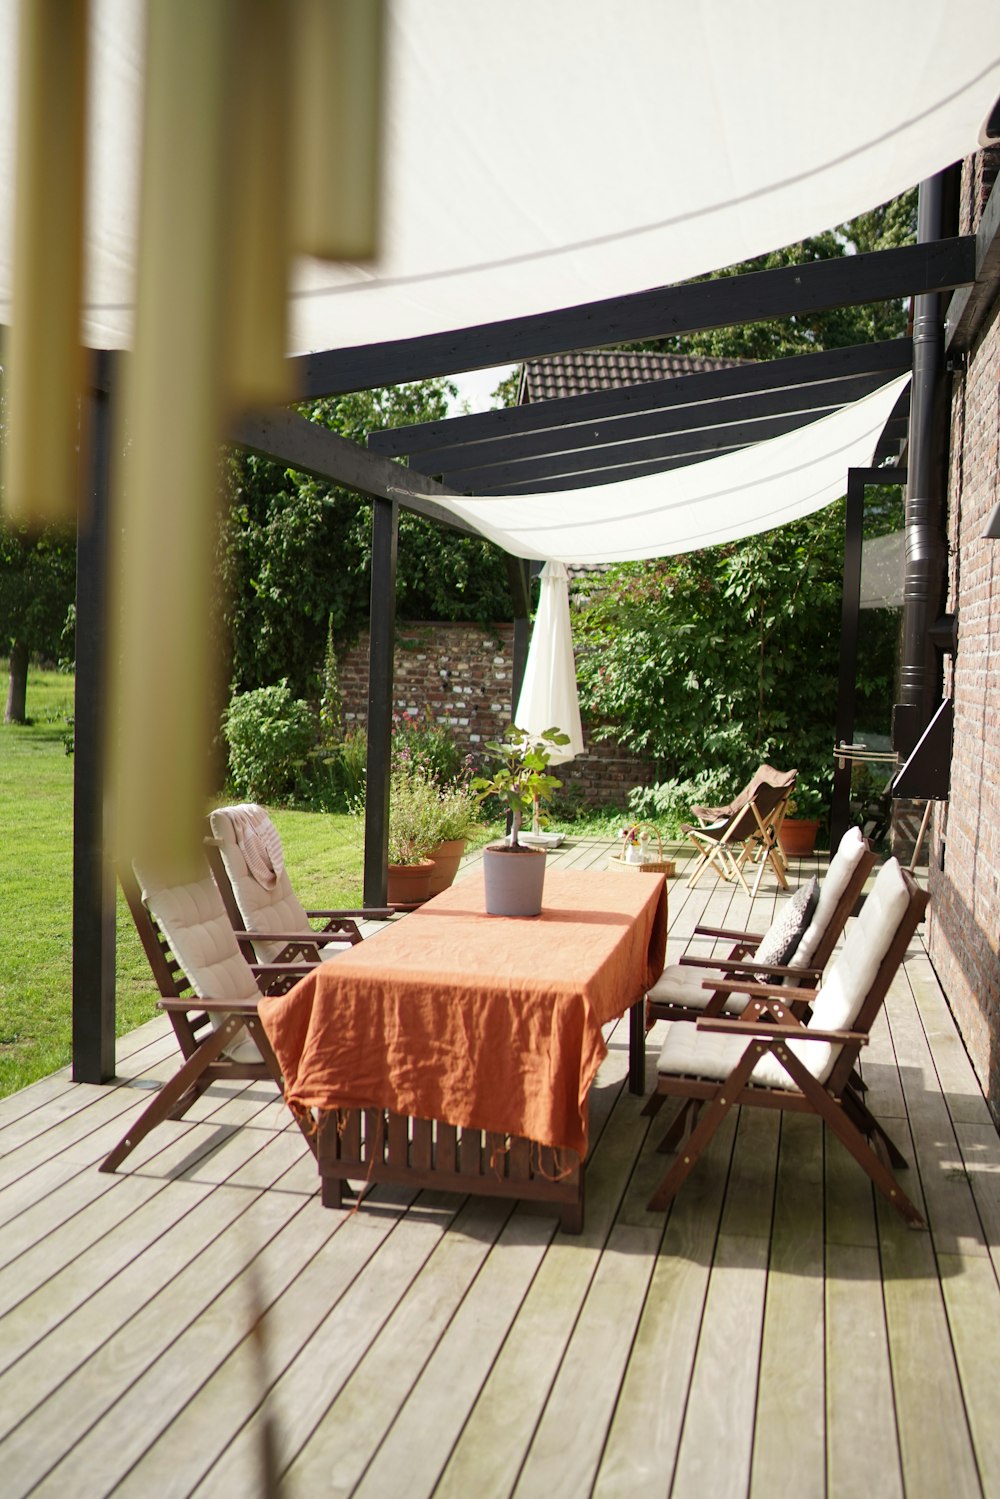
{"x": 514, "y": 875}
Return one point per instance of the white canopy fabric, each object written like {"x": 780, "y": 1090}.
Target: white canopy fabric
{"x": 549, "y": 698}
{"x": 543, "y": 155}
{"x": 724, "y": 499}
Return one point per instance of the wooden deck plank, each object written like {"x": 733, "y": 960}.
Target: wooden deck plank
{"x": 934, "y": 1438}
{"x": 860, "y": 1409}
{"x": 791, "y": 1385}
{"x": 448, "y": 1346}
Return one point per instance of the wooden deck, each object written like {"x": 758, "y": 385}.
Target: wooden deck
{"x": 779, "y": 1332}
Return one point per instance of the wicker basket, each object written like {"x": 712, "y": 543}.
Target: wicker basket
{"x": 659, "y": 865}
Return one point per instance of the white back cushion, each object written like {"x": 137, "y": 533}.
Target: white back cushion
{"x": 842, "y": 866}
{"x": 201, "y": 936}
{"x": 274, "y": 910}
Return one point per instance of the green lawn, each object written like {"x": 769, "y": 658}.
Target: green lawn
{"x": 36, "y": 850}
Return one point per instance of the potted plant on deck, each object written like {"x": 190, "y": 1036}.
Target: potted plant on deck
{"x": 513, "y": 874}
{"x": 807, "y": 808}
{"x": 456, "y": 822}
{"x": 414, "y": 800}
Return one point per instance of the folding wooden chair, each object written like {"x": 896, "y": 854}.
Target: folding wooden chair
{"x": 750, "y": 835}
{"x": 682, "y": 990}
{"x": 271, "y": 913}
{"x": 768, "y": 1058}
{"x": 208, "y": 988}
{"x": 764, "y": 775}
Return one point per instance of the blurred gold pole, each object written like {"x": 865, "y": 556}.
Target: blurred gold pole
{"x": 258, "y": 372}
{"x": 174, "y": 407}
{"x": 338, "y": 99}
{"x": 46, "y": 371}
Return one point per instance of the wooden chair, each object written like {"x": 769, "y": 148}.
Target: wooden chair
{"x": 768, "y": 1058}
{"x": 764, "y": 775}
{"x": 749, "y": 835}
{"x": 208, "y": 988}
{"x": 271, "y": 914}
{"x": 682, "y": 990}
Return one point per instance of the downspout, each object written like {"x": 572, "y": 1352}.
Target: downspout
{"x": 926, "y": 551}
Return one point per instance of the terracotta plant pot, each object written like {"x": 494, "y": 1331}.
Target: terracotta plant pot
{"x": 513, "y": 878}
{"x": 446, "y": 858}
{"x": 797, "y": 835}
{"x": 409, "y": 884}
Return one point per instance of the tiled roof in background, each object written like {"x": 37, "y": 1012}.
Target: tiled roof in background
{"x": 606, "y": 369}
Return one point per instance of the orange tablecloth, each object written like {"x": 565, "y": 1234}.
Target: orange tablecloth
{"x": 484, "y": 1021}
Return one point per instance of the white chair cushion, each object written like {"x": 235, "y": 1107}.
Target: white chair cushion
{"x": 680, "y": 984}
{"x": 274, "y": 910}
{"x": 688, "y": 1052}
{"x": 842, "y": 866}
{"x": 200, "y": 933}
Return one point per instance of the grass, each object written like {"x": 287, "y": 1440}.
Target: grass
{"x": 36, "y": 858}
{"x": 36, "y": 867}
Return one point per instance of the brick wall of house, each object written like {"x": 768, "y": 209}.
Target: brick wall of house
{"x": 964, "y": 926}
{"x": 461, "y": 673}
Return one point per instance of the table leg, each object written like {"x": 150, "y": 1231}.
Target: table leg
{"x": 637, "y": 1047}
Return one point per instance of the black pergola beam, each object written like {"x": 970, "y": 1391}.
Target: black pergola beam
{"x": 757, "y": 296}
{"x": 693, "y": 446}
{"x": 677, "y": 393}
{"x": 285, "y": 437}
{"x": 691, "y": 422}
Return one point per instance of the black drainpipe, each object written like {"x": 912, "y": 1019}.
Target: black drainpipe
{"x": 926, "y": 575}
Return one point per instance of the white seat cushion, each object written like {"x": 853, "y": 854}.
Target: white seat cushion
{"x": 681, "y": 984}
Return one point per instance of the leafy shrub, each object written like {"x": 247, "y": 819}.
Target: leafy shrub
{"x": 668, "y": 804}
{"x": 270, "y": 735}
{"x": 418, "y": 739}
{"x": 414, "y": 814}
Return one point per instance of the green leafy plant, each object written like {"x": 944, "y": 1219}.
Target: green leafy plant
{"x": 270, "y": 734}
{"x": 809, "y": 800}
{"x": 457, "y": 814}
{"x": 414, "y": 814}
{"x": 520, "y": 780}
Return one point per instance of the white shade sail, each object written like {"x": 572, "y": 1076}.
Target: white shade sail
{"x": 549, "y": 697}
{"x": 724, "y": 499}
{"x": 544, "y": 155}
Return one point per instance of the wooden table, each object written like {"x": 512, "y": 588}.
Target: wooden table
{"x": 456, "y": 1050}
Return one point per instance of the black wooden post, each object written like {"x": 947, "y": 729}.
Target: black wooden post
{"x": 518, "y": 572}
{"x": 93, "y": 877}
{"x": 385, "y": 538}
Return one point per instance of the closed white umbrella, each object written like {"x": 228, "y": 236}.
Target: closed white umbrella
{"x": 549, "y": 697}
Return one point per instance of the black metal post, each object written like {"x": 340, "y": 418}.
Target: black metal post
{"x": 840, "y": 812}
{"x": 926, "y": 549}
{"x": 385, "y": 540}
{"x": 519, "y": 573}
{"x": 93, "y": 877}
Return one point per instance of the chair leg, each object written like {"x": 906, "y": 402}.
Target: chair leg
{"x": 863, "y": 1118}
{"x": 682, "y": 1124}
{"x": 715, "y": 1110}
{"x": 836, "y": 1116}
{"x": 174, "y": 1090}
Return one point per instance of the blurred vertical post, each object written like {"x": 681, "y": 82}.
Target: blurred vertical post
{"x": 45, "y": 377}
{"x": 173, "y": 410}
{"x": 338, "y": 110}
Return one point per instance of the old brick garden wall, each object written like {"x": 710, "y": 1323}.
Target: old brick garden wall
{"x": 965, "y": 852}
{"x": 461, "y": 674}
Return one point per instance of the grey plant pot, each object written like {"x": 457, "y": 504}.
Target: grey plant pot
{"x": 514, "y": 878}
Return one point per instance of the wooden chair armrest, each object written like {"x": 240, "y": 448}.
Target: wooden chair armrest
{"x": 762, "y": 991}
{"x": 365, "y": 913}
{"x": 778, "y": 1029}
{"x": 310, "y": 939}
{"x": 718, "y": 931}
{"x": 734, "y": 965}
{"x": 280, "y": 970}
{"x": 210, "y": 1006}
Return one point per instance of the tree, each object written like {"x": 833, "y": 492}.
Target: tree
{"x": 296, "y": 552}
{"x": 37, "y": 587}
